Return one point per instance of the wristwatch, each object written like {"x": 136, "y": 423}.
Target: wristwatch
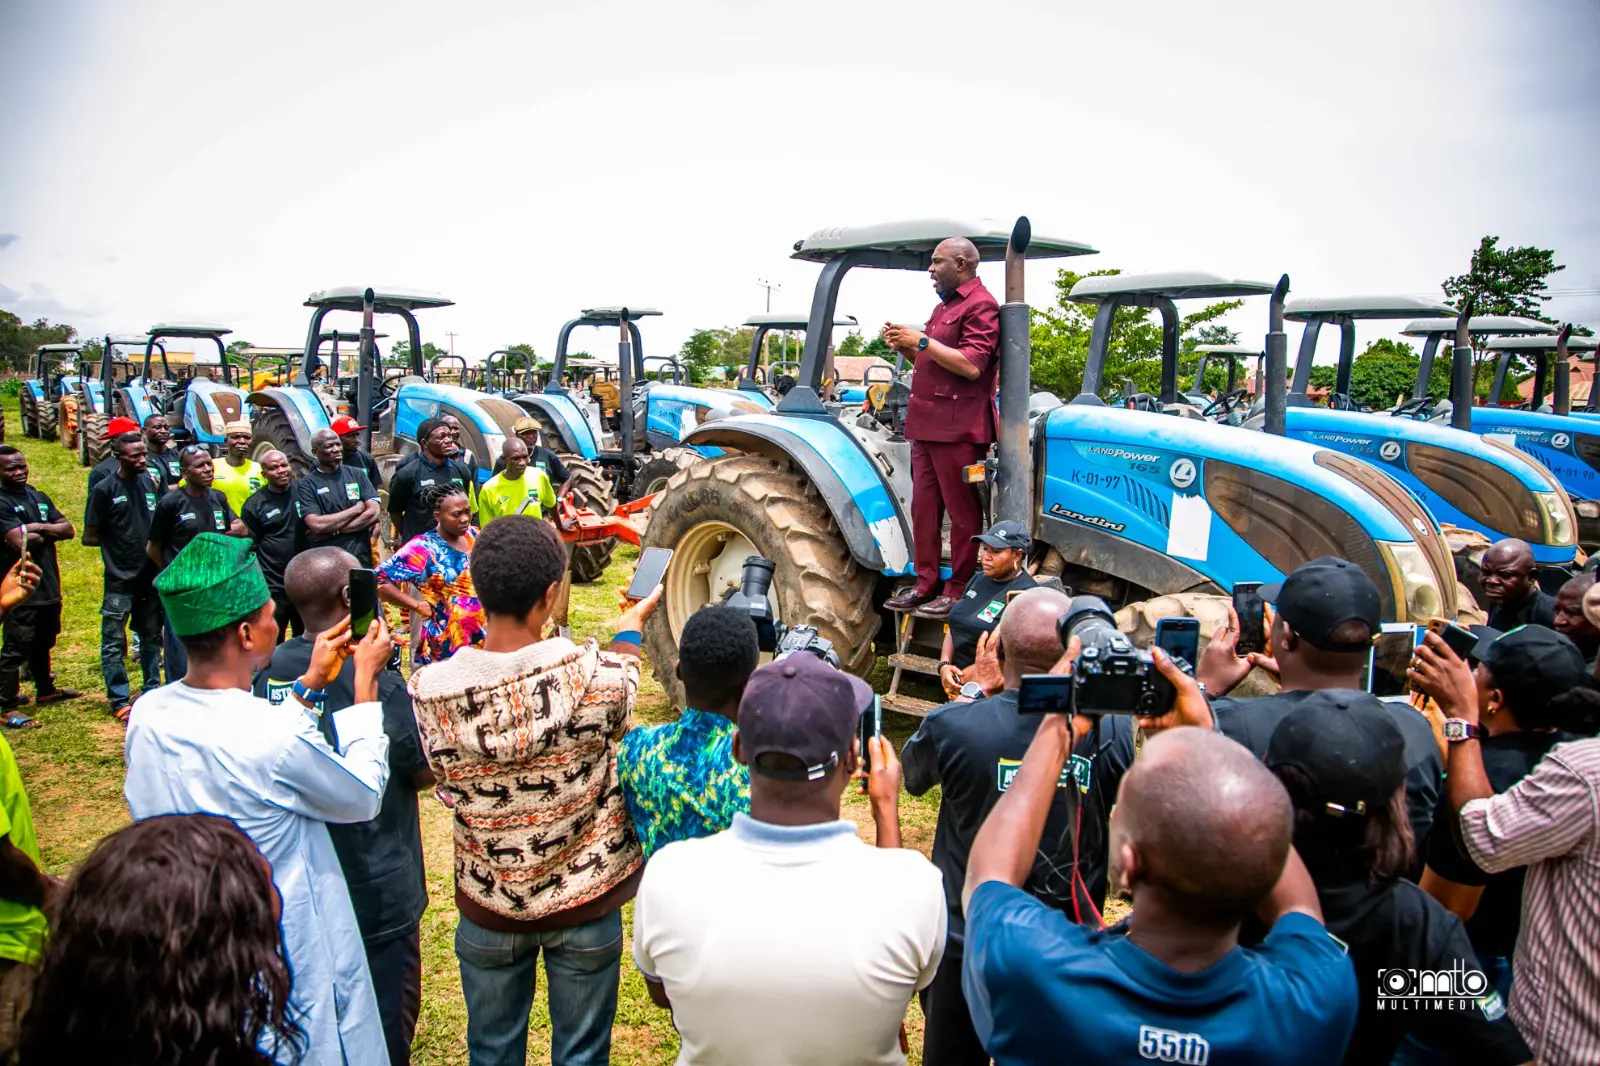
{"x": 1457, "y": 729}
{"x": 972, "y": 691}
{"x": 922, "y": 345}
{"x": 315, "y": 697}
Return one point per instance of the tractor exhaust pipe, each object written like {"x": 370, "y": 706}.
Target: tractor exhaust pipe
{"x": 1014, "y": 478}
{"x": 1461, "y": 372}
{"x": 366, "y": 374}
{"x": 1277, "y": 384}
{"x": 625, "y": 381}
{"x": 1561, "y": 390}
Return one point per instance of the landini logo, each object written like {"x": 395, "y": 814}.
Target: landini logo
{"x": 1457, "y": 988}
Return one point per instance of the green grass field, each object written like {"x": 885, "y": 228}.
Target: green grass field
{"x": 73, "y": 771}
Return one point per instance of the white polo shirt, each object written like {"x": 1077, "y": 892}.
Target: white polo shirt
{"x": 788, "y": 944}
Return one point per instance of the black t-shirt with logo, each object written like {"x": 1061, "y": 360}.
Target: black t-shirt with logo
{"x": 382, "y": 859}
{"x": 979, "y": 612}
{"x": 367, "y": 464}
{"x": 1493, "y": 927}
{"x": 275, "y": 529}
{"x": 411, "y": 492}
{"x": 119, "y": 511}
{"x": 180, "y": 517}
{"x": 32, "y": 507}
{"x": 1396, "y": 925}
{"x": 167, "y": 465}
{"x": 972, "y": 752}
{"x": 320, "y": 493}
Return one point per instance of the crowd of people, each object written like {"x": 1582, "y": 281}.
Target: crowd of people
{"x": 1317, "y": 875}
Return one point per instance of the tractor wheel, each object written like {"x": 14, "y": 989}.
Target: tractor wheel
{"x": 382, "y": 546}
{"x": 44, "y": 421}
{"x": 592, "y": 489}
{"x": 272, "y": 433}
{"x": 718, "y": 512}
{"x": 67, "y": 425}
{"x": 1138, "y": 621}
{"x": 660, "y": 467}
{"x": 91, "y": 449}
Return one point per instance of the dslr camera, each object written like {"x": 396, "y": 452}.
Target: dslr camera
{"x": 1110, "y": 675}
{"x": 772, "y": 636}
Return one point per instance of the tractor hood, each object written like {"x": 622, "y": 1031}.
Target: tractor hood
{"x": 1568, "y": 447}
{"x": 1464, "y": 479}
{"x": 1184, "y": 503}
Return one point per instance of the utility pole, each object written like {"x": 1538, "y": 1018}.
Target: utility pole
{"x": 452, "y": 337}
{"x": 765, "y": 340}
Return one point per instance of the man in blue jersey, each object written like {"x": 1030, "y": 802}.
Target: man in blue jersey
{"x": 1201, "y": 838}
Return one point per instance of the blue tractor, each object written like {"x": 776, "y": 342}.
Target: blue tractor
{"x": 40, "y": 400}
{"x": 1232, "y": 404}
{"x": 1554, "y": 443}
{"x": 96, "y": 396}
{"x": 1551, "y": 370}
{"x": 1464, "y": 480}
{"x": 197, "y": 406}
{"x": 1120, "y": 501}
{"x": 129, "y": 393}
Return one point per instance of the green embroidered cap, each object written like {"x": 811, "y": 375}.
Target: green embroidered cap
{"x": 212, "y": 583}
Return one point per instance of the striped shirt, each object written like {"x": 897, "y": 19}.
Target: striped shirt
{"x": 1550, "y": 822}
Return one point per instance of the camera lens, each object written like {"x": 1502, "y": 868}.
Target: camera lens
{"x": 1090, "y": 620}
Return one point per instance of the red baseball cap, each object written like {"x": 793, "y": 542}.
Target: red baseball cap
{"x": 345, "y": 424}
{"x": 118, "y": 426}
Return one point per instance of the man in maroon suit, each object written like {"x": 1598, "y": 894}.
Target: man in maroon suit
{"x": 950, "y": 423}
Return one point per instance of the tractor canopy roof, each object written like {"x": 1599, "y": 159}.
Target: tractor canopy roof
{"x": 909, "y": 245}
{"x": 610, "y": 314}
{"x": 1407, "y": 307}
{"x": 65, "y": 347}
{"x": 792, "y": 320}
{"x": 1167, "y": 284}
{"x": 1250, "y": 350}
{"x": 1479, "y": 325}
{"x": 127, "y": 339}
{"x": 189, "y": 329}
{"x": 1540, "y": 344}
{"x": 390, "y": 298}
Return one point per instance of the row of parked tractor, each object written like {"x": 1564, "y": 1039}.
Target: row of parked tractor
{"x": 1168, "y": 493}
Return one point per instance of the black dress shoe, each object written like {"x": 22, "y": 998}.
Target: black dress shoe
{"x": 939, "y": 607}
{"x": 907, "y": 599}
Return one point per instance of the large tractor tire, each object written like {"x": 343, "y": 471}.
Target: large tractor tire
{"x": 655, "y": 473}
{"x": 91, "y": 449}
{"x": 30, "y": 427}
{"x": 272, "y": 433}
{"x": 718, "y": 512}
{"x": 1138, "y": 621}
{"x": 592, "y": 489}
{"x": 67, "y": 424}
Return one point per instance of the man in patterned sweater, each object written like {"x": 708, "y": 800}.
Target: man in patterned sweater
{"x": 681, "y": 780}
{"x": 522, "y": 734}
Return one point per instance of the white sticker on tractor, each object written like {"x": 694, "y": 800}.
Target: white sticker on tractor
{"x": 1389, "y": 451}
{"x": 1189, "y": 535}
{"x": 892, "y": 543}
{"x": 1560, "y": 440}
{"x": 1508, "y": 439}
{"x": 1182, "y": 474}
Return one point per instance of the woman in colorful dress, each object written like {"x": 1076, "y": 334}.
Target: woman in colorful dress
{"x": 436, "y": 562}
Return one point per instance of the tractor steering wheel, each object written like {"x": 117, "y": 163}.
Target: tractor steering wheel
{"x": 1224, "y": 404}
{"x": 1418, "y": 408}
{"x": 390, "y": 385}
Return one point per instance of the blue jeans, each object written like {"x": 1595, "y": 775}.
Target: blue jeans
{"x": 140, "y": 608}
{"x": 177, "y": 658}
{"x": 498, "y": 975}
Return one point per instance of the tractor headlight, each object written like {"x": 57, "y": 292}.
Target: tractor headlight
{"x": 1416, "y": 597}
{"x": 1560, "y": 524}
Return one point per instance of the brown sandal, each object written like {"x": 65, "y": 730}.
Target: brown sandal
{"x": 121, "y": 713}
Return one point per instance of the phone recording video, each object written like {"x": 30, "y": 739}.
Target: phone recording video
{"x": 1461, "y": 640}
{"x": 1252, "y": 612}
{"x": 1390, "y": 658}
{"x": 363, "y": 602}
{"x": 652, "y": 568}
{"x": 1180, "y": 639}
{"x": 869, "y": 725}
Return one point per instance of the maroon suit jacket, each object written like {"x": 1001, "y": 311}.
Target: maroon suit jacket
{"x": 944, "y": 406}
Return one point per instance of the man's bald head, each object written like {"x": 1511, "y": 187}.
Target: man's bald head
{"x": 1201, "y": 825}
{"x": 955, "y": 262}
{"x": 1507, "y": 573}
{"x": 316, "y": 582}
{"x": 1027, "y": 632}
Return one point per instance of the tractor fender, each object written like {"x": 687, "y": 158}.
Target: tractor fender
{"x": 304, "y": 411}
{"x": 564, "y": 414}
{"x": 855, "y": 491}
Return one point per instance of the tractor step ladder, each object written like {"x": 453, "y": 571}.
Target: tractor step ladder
{"x": 914, "y": 630}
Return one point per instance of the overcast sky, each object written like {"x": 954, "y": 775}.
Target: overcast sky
{"x": 218, "y": 161}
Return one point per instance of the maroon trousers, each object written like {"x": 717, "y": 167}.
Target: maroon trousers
{"x": 937, "y": 487}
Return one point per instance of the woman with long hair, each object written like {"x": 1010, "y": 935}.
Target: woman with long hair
{"x": 166, "y": 952}
{"x": 436, "y": 562}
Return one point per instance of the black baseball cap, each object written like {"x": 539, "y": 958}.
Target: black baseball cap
{"x": 803, "y": 708}
{"x": 1535, "y": 662}
{"x": 1003, "y": 535}
{"x": 1347, "y": 744}
{"x": 1323, "y": 595}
